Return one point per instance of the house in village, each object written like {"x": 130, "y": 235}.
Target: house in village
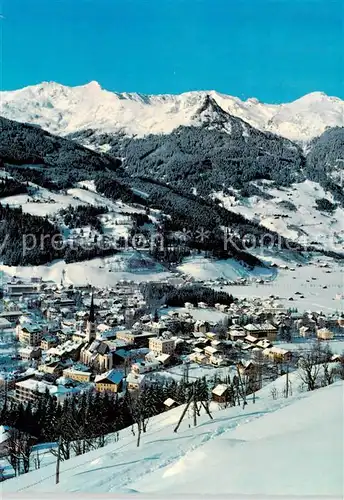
{"x": 260, "y": 331}
{"x": 145, "y": 366}
{"x": 81, "y": 375}
{"x": 135, "y": 381}
{"x": 29, "y": 353}
{"x": 135, "y": 338}
{"x": 247, "y": 368}
{"x": 111, "y": 381}
{"x": 48, "y": 341}
{"x": 161, "y": 345}
{"x": 236, "y": 334}
{"x": 54, "y": 366}
{"x": 31, "y": 390}
{"x": 12, "y": 316}
{"x": 30, "y": 334}
{"x": 277, "y": 354}
{"x": 305, "y": 331}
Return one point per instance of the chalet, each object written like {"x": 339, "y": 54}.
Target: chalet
{"x": 201, "y": 326}
{"x": 54, "y": 366}
{"x": 202, "y": 305}
{"x": 264, "y": 344}
{"x": 111, "y": 381}
{"x": 246, "y": 367}
{"x": 164, "y": 359}
{"x": 198, "y": 358}
{"x": 170, "y": 403}
{"x": 220, "y": 393}
{"x": 218, "y": 361}
{"x": 260, "y": 331}
{"x": 251, "y": 339}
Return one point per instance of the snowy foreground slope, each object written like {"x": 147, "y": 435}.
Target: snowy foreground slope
{"x": 286, "y": 446}
{"x": 62, "y": 110}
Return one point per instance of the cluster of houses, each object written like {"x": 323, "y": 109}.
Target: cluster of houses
{"x": 74, "y": 339}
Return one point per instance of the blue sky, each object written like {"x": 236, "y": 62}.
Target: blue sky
{"x": 275, "y": 50}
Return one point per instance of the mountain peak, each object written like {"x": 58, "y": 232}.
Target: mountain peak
{"x": 93, "y": 85}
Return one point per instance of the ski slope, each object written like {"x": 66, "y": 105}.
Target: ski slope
{"x": 284, "y": 446}
{"x": 201, "y": 268}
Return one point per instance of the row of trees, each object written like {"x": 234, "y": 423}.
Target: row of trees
{"x": 172, "y": 296}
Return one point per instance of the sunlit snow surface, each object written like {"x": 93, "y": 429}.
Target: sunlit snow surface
{"x": 62, "y": 110}
{"x": 285, "y": 446}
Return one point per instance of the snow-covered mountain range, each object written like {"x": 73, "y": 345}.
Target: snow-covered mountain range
{"x": 63, "y": 110}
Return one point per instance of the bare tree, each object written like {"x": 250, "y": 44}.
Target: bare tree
{"x": 329, "y": 372}
{"x": 140, "y": 415}
{"x": 274, "y": 392}
{"x": 311, "y": 362}
{"x": 18, "y": 451}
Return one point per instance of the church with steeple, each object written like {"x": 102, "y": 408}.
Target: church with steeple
{"x": 95, "y": 353}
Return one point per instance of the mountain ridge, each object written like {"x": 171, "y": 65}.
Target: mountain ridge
{"x": 63, "y": 110}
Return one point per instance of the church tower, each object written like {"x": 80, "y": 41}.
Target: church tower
{"x": 90, "y": 325}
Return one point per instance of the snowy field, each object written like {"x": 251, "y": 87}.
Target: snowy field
{"x": 198, "y": 313}
{"x": 272, "y": 447}
{"x": 195, "y": 372}
{"x": 99, "y": 272}
{"x": 309, "y": 280}
{"x": 41, "y": 201}
{"x": 336, "y": 345}
{"x": 204, "y": 269}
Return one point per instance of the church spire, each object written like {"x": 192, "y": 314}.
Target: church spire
{"x": 91, "y": 316}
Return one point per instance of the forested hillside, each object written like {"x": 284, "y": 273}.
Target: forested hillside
{"x": 56, "y": 160}
{"x": 176, "y": 174}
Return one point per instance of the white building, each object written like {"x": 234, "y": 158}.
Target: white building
{"x": 161, "y": 346}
